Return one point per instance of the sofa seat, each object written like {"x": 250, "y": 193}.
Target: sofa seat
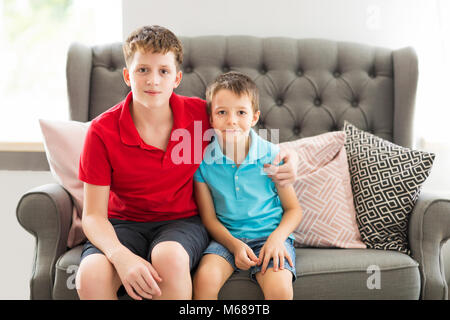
{"x": 321, "y": 274}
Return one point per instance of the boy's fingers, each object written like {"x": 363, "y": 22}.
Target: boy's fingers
{"x": 252, "y": 255}
{"x": 131, "y": 292}
{"x": 288, "y": 257}
{"x": 154, "y": 273}
{"x": 148, "y": 283}
{"x": 261, "y": 256}
{"x": 265, "y": 263}
{"x": 281, "y": 261}
{"x": 279, "y": 157}
{"x": 139, "y": 288}
{"x": 275, "y": 262}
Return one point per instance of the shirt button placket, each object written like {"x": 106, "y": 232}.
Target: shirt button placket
{"x": 236, "y": 183}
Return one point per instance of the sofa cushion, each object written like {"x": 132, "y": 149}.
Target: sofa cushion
{"x": 63, "y": 142}
{"x": 324, "y": 192}
{"x": 322, "y": 273}
{"x": 386, "y": 181}
{"x": 331, "y": 273}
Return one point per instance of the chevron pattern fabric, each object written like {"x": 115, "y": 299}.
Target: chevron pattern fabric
{"x": 386, "y": 180}
{"x": 324, "y": 192}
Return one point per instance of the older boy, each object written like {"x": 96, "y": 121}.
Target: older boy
{"x": 140, "y": 216}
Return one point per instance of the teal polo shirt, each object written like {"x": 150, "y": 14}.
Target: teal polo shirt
{"x": 245, "y": 198}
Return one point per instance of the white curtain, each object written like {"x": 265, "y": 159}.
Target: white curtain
{"x": 432, "y": 124}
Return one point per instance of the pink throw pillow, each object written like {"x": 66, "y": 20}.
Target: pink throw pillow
{"x": 63, "y": 142}
{"x": 324, "y": 192}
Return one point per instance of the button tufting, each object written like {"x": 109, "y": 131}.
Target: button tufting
{"x": 296, "y": 131}
{"x": 355, "y": 103}
{"x": 188, "y": 69}
{"x": 299, "y": 72}
{"x": 225, "y": 69}
{"x": 317, "y": 102}
{"x": 279, "y": 102}
{"x": 336, "y": 74}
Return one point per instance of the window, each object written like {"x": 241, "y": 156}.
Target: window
{"x": 35, "y": 36}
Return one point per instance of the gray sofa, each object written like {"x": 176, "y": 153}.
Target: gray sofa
{"x": 308, "y": 87}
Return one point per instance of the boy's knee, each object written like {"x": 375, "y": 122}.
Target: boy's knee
{"x": 277, "y": 286}
{"x": 207, "y": 279}
{"x": 170, "y": 257}
{"x": 204, "y": 286}
{"x": 96, "y": 275}
{"x": 280, "y": 292}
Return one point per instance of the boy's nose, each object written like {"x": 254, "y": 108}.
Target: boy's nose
{"x": 232, "y": 119}
{"x": 153, "y": 80}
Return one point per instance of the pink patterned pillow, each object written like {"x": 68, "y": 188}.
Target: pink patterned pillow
{"x": 63, "y": 142}
{"x": 324, "y": 191}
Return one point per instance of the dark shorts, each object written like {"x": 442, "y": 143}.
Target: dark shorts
{"x": 142, "y": 237}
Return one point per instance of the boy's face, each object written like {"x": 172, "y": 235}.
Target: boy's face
{"x": 152, "y": 78}
{"x": 232, "y": 116}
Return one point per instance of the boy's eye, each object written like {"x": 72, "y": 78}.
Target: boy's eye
{"x": 142, "y": 70}
{"x": 242, "y": 113}
{"x": 164, "y": 71}
{"x": 221, "y": 112}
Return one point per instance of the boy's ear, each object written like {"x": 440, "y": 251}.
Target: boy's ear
{"x": 178, "y": 79}
{"x": 255, "y": 117}
{"x": 126, "y": 76}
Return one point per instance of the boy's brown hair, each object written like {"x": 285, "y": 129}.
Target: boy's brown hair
{"x": 155, "y": 39}
{"x": 236, "y": 82}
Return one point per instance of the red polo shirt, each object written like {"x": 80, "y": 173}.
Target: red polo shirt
{"x": 146, "y": 183}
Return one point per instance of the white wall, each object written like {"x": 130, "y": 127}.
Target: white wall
{"x": 17, "y": 245}
{"x": 390, "y": 23}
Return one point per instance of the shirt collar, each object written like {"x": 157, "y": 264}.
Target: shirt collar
{"x": 182, "y": 118}
{"x": 258, "y": 149}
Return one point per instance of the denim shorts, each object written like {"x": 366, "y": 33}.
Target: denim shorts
{"x": 256, "y": 245}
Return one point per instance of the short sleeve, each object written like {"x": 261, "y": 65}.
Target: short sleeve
{"x": 198, "y": 174}
{"x": 95, "y": 167}
{"x": 274, "y": 151}
{"x": 271, "y": 151}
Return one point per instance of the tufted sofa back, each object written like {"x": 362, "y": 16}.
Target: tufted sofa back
{"x": 307, "y": 86}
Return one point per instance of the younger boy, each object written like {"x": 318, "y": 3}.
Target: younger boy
{"x": 140, "y": 215}
{"x": 249, "y": 217}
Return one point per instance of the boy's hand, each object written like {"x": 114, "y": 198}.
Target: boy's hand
{"x": 244, "y": 257}
{"x": 137, "y": 275}
{"x": 274, "y": 248}
{"x": 286, "y": 173}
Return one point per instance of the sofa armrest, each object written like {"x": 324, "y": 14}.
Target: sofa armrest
{"x": 429, "y": 230}
{"x": 46, "y": 213}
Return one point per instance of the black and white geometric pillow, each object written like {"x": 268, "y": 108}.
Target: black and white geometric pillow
{"x": 386, "y": 181}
